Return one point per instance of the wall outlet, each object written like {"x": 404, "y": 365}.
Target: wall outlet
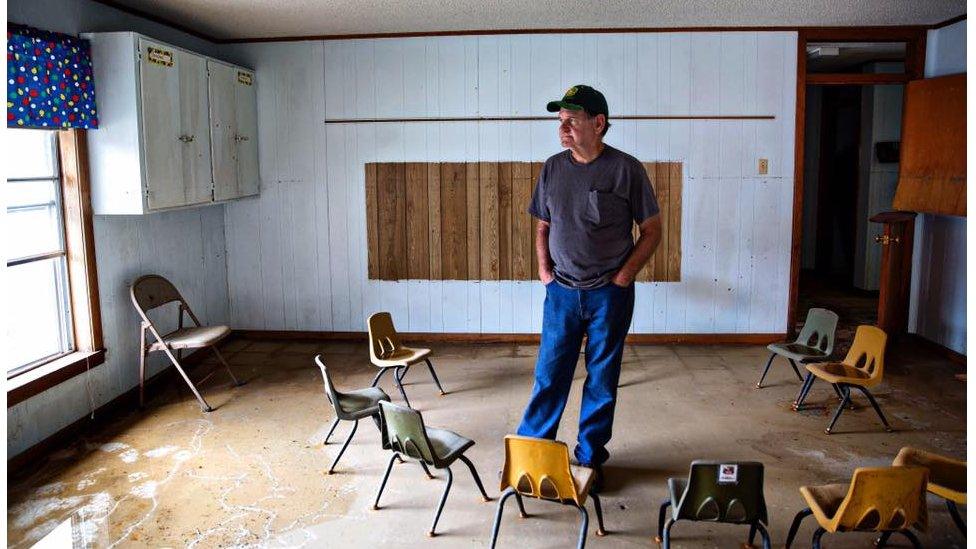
{"x": 763, "y": 166}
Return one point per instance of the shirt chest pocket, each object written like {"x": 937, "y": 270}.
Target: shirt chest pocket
{"x": 605, "y": 208}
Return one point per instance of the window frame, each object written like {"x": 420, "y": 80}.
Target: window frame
{"x": 79, "y": 246}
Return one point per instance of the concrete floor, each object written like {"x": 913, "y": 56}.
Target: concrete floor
{"x": 253, "y": 472}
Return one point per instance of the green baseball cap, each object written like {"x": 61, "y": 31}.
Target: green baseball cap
{"x": 581, "y": 97}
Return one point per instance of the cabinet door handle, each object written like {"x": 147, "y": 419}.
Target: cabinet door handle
{"x": 240, "y": 138}
{"x": 186, "y": 138}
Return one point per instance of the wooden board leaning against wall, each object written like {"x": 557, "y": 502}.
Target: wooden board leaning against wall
{"x": 468, "y": 221}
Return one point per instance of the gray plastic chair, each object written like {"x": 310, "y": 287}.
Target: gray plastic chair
{"x": 151, "y": 291}
{"x": 404, "y": 432}
{"x": 729, "y": 492}
{"x": 349, "y": 406}
{"x": 814, "y": 344}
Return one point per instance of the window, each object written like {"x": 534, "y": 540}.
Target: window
{"x": 38, "y": 303}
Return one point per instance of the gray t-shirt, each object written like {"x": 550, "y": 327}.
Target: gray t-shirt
{"x": 591, "y": 209}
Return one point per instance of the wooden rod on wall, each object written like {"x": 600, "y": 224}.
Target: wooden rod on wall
{"x": 549, "y": 118}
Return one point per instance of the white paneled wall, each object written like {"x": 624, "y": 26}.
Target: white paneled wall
{"x": 186, "y": 246}
{"x": 297, "y": 254}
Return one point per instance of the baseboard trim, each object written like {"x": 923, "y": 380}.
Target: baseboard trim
{"x": 36, "y": 455}
{"x": 948, "y": 353}
{"x": 635, "y": 339}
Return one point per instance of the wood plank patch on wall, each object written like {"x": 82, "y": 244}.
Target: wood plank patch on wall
{"x": 468, "y": 221}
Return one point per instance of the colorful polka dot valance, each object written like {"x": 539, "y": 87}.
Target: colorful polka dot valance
{"x": 49, "y": 80}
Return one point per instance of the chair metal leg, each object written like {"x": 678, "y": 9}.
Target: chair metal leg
{"x": 666, "y": 537}
{"x": 816, "y": 537}
{"x": 403, "y": 374}
{"x": 795, "y": 369}
{"x": 440, "y": 507}
{"x": 378, "y": 376}
{"x": 765, "y": 370}
{"x": 335, "y": 423}
{"x": 433, "y": 374}
{"x": 911, "y": 537}
{"x": 477, "y": 479}
{"x": 509, "y": 492}
{"x": 796, "y": 525}
{"x": 804, "y": 391}
{"x": 389, "y": 467}
{"x": 203, "y": 403}
{"x": 882, "y": 539}
{"x": 396, "y": 378}
{"x": 600, "y": 530}
{"x": 583, "y": 527}
{"x": 840, "y": 409}
{"x": 752, "y": 533}
{"x": 344, "y": 446}
{"x": 426, "y": 469}
{"x": 142, "y": 367}
{"x": 767, "y": 543}
{"x": 220, "y": 357}
{"x": 660, "y": 519}
{"x": 956, "y": 517}
{"x": 874, "y": 404}
{"x": 521, "y": 504}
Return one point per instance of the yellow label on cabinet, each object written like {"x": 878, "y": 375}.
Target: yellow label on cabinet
{"x": 245, "y": 78}
{"x": 160, "y": 57}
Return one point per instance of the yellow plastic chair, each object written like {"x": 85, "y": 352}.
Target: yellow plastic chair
{"x": 863, "y": 367}
{"x": 540, "y": 468}
{"x": 947, "y": 479}
{"x": 878, "y": 499}
{"x": 387, "y": 353}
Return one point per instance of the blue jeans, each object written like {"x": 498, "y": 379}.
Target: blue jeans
{"x": 604, "y": 315}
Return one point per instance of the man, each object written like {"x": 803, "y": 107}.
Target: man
{"x": 586, "y": 201}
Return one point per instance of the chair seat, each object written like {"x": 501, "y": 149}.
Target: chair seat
{"x": 447, "y": 445}
{"x": 838, "y": 372}
{"x": 192, "y": 338}
{"x": 797, "y": 351}
{"x": 824, "y": 501}
{"x": 403, "y": 356}
{"x": 361, "y": 403}
{"x": 582, "y": 478}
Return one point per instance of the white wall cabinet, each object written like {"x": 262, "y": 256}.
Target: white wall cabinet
{"x": 174, "y": 129}
{"x": 233, "y": 130}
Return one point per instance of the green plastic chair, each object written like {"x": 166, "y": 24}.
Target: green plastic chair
{"x": 814, "y": 344}
{"x": 729, "y": 492}
{"x": 404, "y": 432}
{"x": 349, "y": 406}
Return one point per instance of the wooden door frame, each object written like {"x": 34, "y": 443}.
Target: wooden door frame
{"x": 914, "y": 38}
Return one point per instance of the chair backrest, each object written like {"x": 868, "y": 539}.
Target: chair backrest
{"x": 539, "y": 468}
{"x": 383, "y": 339}
{"x": 404, "y": 432}
{"x": 867, "y": 351}
{"x": 724, "y": 491}
{"x": 151, "y": 291}
{"x": 330, "y": 390}
{"x": 818, "y": 330}
{"x": 948, "y": 473}
{"x": 884, "y": 498}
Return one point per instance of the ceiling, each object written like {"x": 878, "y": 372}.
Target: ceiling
{"x": 237, "y": 19}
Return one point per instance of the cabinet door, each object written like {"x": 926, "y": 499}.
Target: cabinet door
{"x": 223, "y": 129}
{"x": 195, "y": 126}
{"x": 247, "y": 133}
{"x": 161, "y": 125}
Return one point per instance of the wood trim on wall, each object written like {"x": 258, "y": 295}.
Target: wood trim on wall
{"x": 80, "y": 240}
{"x": 914, "y": 37}
{"x": 441, "y": 337}
{"x": 477, "y": 210}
